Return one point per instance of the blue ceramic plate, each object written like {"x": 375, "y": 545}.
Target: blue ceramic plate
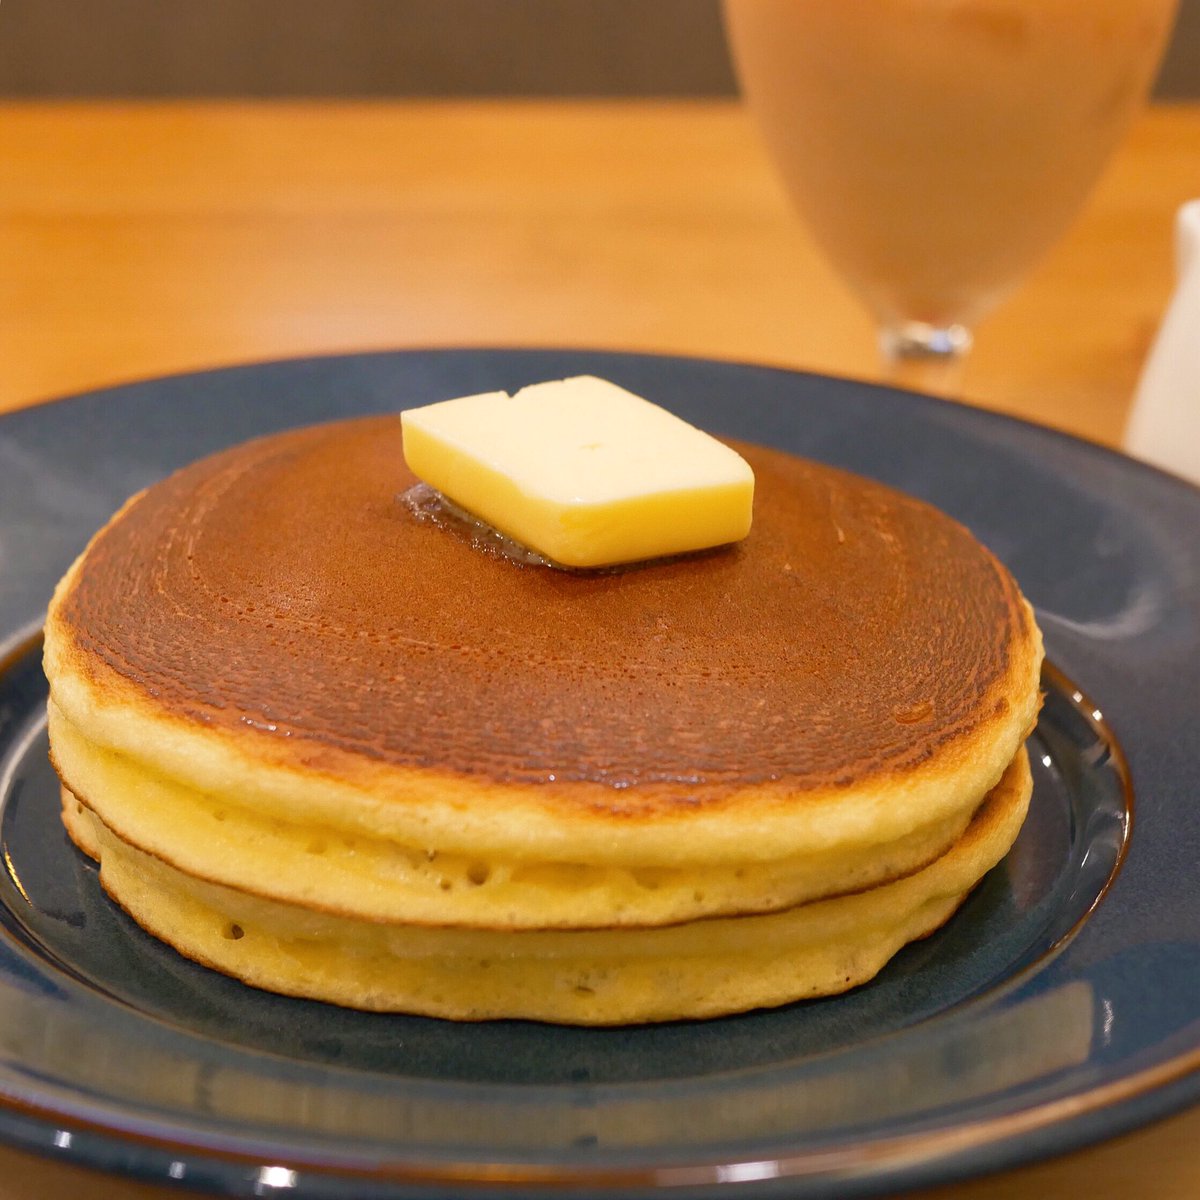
{"x": 1059, "y": 1007}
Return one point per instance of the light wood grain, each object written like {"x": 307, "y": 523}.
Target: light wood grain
{"x": 137, "y": 240}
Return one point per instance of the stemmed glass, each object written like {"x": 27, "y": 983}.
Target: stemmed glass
{"x": 936, "y": 148}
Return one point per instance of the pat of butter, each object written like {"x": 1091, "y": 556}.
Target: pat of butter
{"x": 582, "y": 471}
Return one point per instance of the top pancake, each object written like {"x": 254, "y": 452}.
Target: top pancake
{"x": 282, "y": 603}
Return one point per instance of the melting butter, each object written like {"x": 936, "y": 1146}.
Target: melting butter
{"x": 582, "y": 472}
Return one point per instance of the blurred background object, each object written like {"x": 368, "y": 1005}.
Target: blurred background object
{"x": 185, "y": 183}
{"x": 379, "y": 48}
{"x": 369, "y": 48}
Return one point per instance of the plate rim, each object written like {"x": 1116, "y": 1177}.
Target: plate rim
{"x": 1112, "y": 1107}
{"x": 971, "y": 411}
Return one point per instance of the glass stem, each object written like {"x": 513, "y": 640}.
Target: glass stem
{"x": 925, "y": 358}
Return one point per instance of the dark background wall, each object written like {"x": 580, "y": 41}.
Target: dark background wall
{"x": 94, "y": 48}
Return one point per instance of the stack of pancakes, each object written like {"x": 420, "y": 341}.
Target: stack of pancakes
{"x": 337, "y": 749}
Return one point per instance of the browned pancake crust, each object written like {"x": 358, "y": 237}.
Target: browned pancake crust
{"x": 282, "y": 590}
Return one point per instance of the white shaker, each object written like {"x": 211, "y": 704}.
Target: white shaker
{"x": 1164, "y": 426}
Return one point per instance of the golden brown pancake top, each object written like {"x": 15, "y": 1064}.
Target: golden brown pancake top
{"x": 283, "y": 589}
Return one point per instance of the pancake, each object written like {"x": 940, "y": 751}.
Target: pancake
{"x": 595, "y": 977}
{"x": 342, "y": 870}
{"x": 273, "y": 678}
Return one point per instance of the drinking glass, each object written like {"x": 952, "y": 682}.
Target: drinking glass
{"x": 936, "y": 148}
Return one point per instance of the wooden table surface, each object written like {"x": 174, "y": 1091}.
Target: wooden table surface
{"x": 142, "y": 239}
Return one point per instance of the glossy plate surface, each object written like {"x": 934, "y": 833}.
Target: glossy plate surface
{"x": 1060, "y": 1006}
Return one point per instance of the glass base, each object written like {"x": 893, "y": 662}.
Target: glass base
{"x": 916, "y": 339}
{"x": 925, "y": 358}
